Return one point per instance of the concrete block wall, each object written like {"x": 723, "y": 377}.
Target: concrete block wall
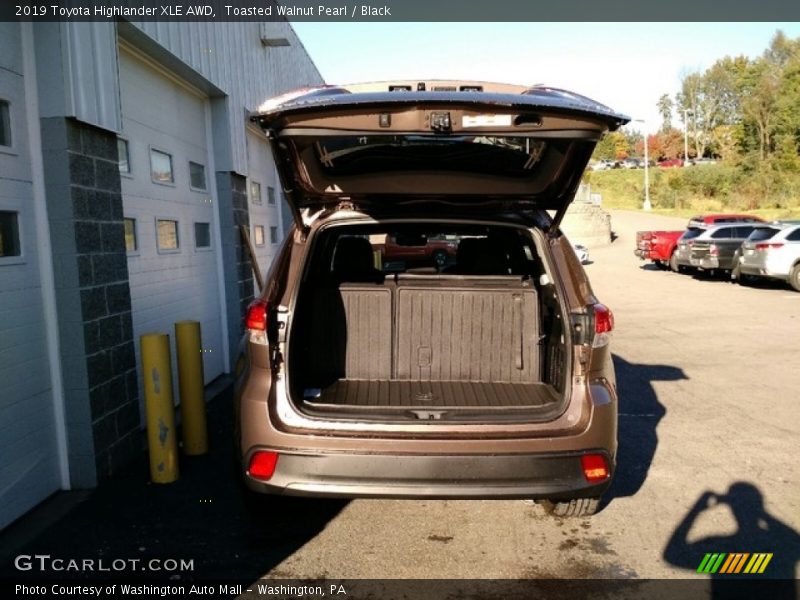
{"x": 84, "y": 205}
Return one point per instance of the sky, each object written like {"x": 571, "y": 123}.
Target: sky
{"x": 626, "y": 66}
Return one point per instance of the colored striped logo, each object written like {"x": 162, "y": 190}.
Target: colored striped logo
{"x": 735, "y": 563}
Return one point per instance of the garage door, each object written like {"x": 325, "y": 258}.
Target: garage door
{"x": 266, "y": 228}
{"x": 167, "y": 193}
{"x": 29, "y": 469}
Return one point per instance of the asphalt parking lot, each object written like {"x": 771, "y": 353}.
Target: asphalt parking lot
{"x": 707, "y": 374}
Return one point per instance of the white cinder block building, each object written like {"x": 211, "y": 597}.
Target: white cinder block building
{"x": 127, "y": 164}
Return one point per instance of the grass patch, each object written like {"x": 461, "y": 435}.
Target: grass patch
{"x": 704, "y": 189}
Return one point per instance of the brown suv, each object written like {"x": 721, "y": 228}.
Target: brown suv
{"x": 490, "y": 377}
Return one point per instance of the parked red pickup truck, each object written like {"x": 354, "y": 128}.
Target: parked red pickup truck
{"x": 660, "y": 246}
{"x": 434, "y": 250}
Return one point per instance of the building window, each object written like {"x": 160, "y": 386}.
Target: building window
{"x": 124, "y": 157}
{"x": 5, "y": 123}
{"x": 9, "y": 234}
{"x": 161, "y": 167}
{"x": 270, "y": 195}
{"x": 273, "y": 235}
{"x": 255, "y": 192}
{"x": 202, "y": 235}
{"x": 197, "y": 176}
{"x": 167, "y": 235}
{"x": 131, "y": 243}
{"x": 258, "y": 235}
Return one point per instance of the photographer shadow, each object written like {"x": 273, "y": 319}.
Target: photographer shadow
{"x": 757, "y": 532}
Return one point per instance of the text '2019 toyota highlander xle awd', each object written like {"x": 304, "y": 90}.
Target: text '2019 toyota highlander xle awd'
{"x": 486, "y": 375}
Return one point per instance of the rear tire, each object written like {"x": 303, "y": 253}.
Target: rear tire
{"x": 577, "y": 507}
{"x": 794, "y": 278}
{"x": 673, "y": 263}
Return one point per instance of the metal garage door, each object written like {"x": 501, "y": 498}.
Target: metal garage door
{"x": 168, "y": 201}
{"x": 29, "y": 458}
{"x": 266, "y": 229}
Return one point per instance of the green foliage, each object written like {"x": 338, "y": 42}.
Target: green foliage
{"x": 752, "y": 185}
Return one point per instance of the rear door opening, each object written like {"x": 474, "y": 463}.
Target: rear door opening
{"x": 410, "y": 335}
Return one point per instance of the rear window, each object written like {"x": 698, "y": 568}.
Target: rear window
{"x": 374, "y": 252}
{"x": 762, "y": 233}
{"x": 357, "y": 155}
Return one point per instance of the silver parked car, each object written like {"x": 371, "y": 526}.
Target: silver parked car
{"x": 771, "y": 251}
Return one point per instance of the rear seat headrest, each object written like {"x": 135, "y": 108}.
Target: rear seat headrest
{"x": 353, "y": 260}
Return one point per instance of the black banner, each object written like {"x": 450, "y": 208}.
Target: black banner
{"x": 400, "y": 10}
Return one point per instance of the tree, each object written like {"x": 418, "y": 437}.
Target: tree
{"x": 665, "y": 105}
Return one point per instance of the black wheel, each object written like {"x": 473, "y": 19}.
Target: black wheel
{"x": 577, "y": 507}
{"x": 440, "y": 259}
{"x": 673, "y": 263}
{"x": 736, "y": 272}
{"x": 659, "y": 264}
{"x": 794, "y": 277}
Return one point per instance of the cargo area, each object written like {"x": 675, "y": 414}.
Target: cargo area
{"x": 470, "y": 336}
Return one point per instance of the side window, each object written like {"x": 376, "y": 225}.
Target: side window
{"x": 202, "y": 235}
{"x": 723, "y": 233}
{"x": 123, "y": 149}
{"x": 258, "y": 235}
{"x": 5, "y": 123}
{"x": 744, "y": 231}
{"x": 167, "y": 235}
{"x": 197, "y": 176}
{"x": 131, "y": 241}
{"x": 255, "y": 192}
{"x": 9, "y": 234}
{"x": 161, "y": 167}
{"x": 794, "y": 236}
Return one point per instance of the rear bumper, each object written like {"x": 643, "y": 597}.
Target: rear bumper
{"x": 760, "y": 269}
{"x": 537, "y": 476}
{"x": 706, "y": 262}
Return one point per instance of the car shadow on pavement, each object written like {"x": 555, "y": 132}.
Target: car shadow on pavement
{"x": 757, "y": 532}
{"x": 202, "y": 517}
{"x": 639, "y": 415}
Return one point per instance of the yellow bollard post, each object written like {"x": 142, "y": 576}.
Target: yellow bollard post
{"x": 160, "y": 411}
{"x": 190, "y": 382}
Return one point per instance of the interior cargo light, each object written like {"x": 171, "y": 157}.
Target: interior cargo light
{"x": 595, "y": 468}
{"x": 262, "y": 465}
{"x": 257, "y": 316}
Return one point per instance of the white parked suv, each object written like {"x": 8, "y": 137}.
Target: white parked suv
{"x": 772, "y": 251}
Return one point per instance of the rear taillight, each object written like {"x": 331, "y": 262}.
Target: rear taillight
{"x": 603, "y": 325}
{"x": 256, "y": 321}
{"x": 713, "y": 250}
{"x": 767, "y": 246}
{"x": 256, "y": 316}
{"x": 262, "y": 465}
{"x": 595, "y": 468}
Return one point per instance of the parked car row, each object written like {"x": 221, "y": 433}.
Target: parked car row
{"x": 743, "y": 246}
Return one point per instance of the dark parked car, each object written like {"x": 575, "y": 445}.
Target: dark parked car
{"x": 716, "y": 250}
{"x": 681, "y": 257}
{"x": 490, "y": 379}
